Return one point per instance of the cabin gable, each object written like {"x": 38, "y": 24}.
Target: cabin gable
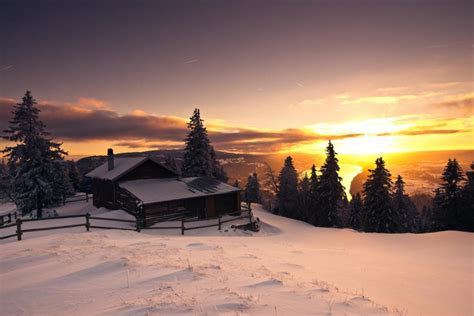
{"x": 149, "y": 169}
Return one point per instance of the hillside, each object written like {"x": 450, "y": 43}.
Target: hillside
{"x": 289, "y": 268}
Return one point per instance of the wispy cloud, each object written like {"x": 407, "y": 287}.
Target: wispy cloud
{"x": 191, "y": 61}
{"x": 6, "y": 67}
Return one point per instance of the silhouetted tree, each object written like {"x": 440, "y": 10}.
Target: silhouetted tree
{"x": 313, "y": 196}
{"x": 467, "y": 202}
{"x": 404, "y": 208}
{"x": 304, "y": 199}
{"x": 252, "y": 189}
{"x": 447, "y": 201}
{"x": 356, "y": 212}
{"x": 331, "y": 195}
{"x": 288, "y": 190}
{"x": 33, "y": 160}
{"x": 170, "y": 162}
{"x": 75, "y": 177}
{"x": 199, "y": 156}
{"x": 379, "y": 215}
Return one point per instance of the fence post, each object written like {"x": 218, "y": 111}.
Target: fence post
{"x": 87, "y": 197}
{"x": 1, "y": 220}
{"x": 64, "y": 199}
{"x": 9, "y": 217}
{"x": 138, "y": 222}
{"x": 220, "y": 217}
{"x": 18, "y": 229}
{"x": 88, "y": 224}
{"x": 250, "y": 213}
{"x": 182, "y": 225}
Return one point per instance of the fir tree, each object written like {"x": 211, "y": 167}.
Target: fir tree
{"x": 236, "y": 183}
{"x": 379, "y": 215}
{"x": 199, "y": 156}
{"x": 60, "y": 184}
{"x": 5, "y": 182}
{"x": 32, "y": 161}
{"x": 404, "y": 208}
{"x": 74, "y": 175}
{"x": 467, "y": 205}
{"x": 170, "y": 162}
{"x": 313, "y": 196}
{"x": 304, "y": 199}
{"x": 356, "y": 212}
{"x": 447, "y": 202}
{"x": 252, "y": 189}
{"x": 288, "y": 190}
{"x": 331, "y": 195}
{"x": 217, "y": 170}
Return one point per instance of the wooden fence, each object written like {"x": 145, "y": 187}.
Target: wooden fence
{"x": 76, "y": 198}
{"x": 20, "y": 230}
{"x": 8, "y": 218}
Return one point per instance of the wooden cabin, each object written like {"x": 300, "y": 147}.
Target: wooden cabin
{"x": 145, "y": 188}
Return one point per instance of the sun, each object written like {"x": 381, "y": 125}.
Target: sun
{"x": 367, "y": 144}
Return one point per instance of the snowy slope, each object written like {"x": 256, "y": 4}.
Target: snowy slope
{"x": 290, "y": 268}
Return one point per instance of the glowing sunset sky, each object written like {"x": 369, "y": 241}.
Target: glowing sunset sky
{"x": 374, "y": 76}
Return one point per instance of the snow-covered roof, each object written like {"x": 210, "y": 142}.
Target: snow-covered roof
{"x": 121, "y": 166}
{"x": 170, "y": 189}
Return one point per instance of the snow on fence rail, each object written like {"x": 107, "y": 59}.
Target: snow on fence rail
{"x": 20, "y": 230}
{"x": 8, "y": 218}
{"x": 76, "y": 198}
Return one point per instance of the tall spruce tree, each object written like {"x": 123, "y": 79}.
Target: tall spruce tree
{"x": 356, "y": 212}
{"x": 404, "y": 208}
{"x": 379, "y": 215}
{"x": 199, "y": 156}
{"x": 288, "y": 190}
{"x": 74, "y": 175}
{"x": 313, "y": 196}
{"x": 33, "y": 161}
{"x": 304, "y": 208}
{"x": 447, "y": 203}
{"x": 331, "y": 195}
{"x": 467, "y": 205}
{"x": 252, "y": 189}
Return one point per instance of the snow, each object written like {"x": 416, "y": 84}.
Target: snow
{"x": 169, "y": 189}
{"x": 289, "y": 268}
{"x": 121, "y": 165}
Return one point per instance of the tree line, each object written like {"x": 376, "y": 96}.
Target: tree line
{"x": 383, "y": 206}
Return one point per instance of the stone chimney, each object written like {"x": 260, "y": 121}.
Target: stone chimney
{"x": 110, "y": 158}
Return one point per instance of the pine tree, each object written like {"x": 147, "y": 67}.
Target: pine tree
{"x": 236, "y": 183}
{"x": 467, "y": 204}
{"x": 304, "y": 208}
{"x": 288, "y": 190}
{"x": 61, "y": 185}
{"x": 217, "y": 170}
{"x": 170, "y": 162}
{"x": 356, "y": 212}
{"x": 331, "y": 195}
{"x": 379, "y": 215}
{"x": 199, "y": 157}
{"x": 252, "y": 189}
{"x": 32, "y": 161}
{"x": 5, "y": 183}
{"x": 313, "y": 196}
{"x": 75, "y": 177}
{"x": 404, "y": 208}
{"x": 447, "y": 202}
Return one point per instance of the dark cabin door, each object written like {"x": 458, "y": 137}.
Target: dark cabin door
{"x": 210, "y": 207}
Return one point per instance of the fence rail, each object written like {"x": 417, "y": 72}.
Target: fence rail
{"x": 20, "y": 230}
